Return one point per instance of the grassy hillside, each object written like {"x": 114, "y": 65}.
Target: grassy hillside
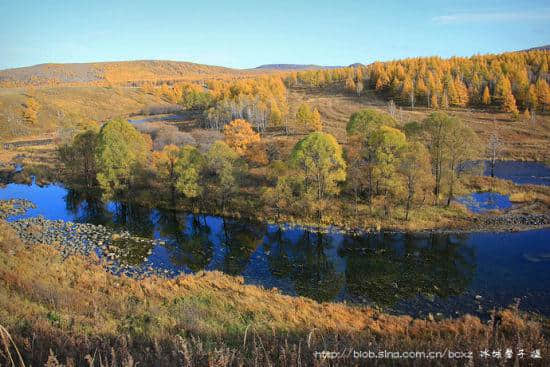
{"x": 122, "y": 72}
{"x": 67, "y": 107}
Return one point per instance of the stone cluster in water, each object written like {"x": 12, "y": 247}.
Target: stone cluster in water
{"x": 515, "y": 220}
{"x": 84, "y": 239}
{"x": 12, "y": 207}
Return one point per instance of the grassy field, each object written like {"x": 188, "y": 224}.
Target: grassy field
{"x": 67, "y": 108}
{"x": 522, "y": 140}
{"x": 74, "y": 313}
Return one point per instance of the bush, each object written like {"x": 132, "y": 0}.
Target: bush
{"x": 170, "y": 135}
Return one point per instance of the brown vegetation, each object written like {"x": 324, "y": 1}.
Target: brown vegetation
{"x": 73, "y": 311}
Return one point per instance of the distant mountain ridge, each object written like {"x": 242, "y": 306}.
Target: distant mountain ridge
{"x": 294, "y": 67}
{"x": 539, "y": 48}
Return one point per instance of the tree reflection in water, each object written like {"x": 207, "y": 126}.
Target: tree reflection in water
{"x": 86, "y": 206}
{"x": 187, "y": 238}
{"x": 382, "y": 268}
{"x": 386, "y": 268}
{"x": 304, "y": 260}
{"x": 240, "y": 240}
{"x": 134, "y": 217}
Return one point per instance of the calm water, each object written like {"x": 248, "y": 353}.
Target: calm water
{"x": 403, "y": 273}
{"x": 521, "y": 172}
{"x": 170, "y": 117}
{"x": 479, "y": 202}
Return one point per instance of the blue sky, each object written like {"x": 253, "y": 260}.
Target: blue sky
{"x": 246, "y": 34}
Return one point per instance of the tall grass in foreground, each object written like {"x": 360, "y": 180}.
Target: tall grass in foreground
{"x": 73, "y": 313}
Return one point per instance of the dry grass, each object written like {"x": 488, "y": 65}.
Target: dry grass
{"x": 517, "y": 193}
{"x": 68, "y": 108}
{"x": 73, "y": 311}
{"x": 522, "y": 140}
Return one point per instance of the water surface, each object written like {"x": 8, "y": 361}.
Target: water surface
{"x": 480, "y": 202}
{"x": 404, "y": 273}
{"x": 533, "y": 173}
{"x": 169, "y": 117}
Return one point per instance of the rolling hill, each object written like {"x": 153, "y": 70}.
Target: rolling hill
{"x": 288, "y": 67}
{"x": 118, "y": 73}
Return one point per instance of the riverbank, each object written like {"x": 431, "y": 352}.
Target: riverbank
{"x": 346, "y": 216}
{"x": 119, "y": 252}
{"x": 80, "y": 312}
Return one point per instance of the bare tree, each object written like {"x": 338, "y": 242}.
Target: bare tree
{"x": 411, "y": 96}
{"x": 359, "y": 87}
{"x": 494, "y": 148}
{"x": 170, "y": 135}
{"x": 429, "y": 96}
{"x": 392, "y": 109}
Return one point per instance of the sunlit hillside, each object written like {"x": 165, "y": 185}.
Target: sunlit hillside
{"x": 123, "y": 72}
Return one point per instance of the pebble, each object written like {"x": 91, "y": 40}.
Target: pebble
{"x": 81, "y": 238}
{"x": 515, "y": 220}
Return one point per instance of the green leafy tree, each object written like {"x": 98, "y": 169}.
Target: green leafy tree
{"x": 164, "y": 163}
{"x": 461, "y": 146}
{"x": 319, "y": 158}
{"x": 188, "y": 169}
{"x": 386, "y": 144}
{"x": 451, "y": 143}
{"x": 121, "y": 152}
{"x": 436, "y": 129}
{"x": 362, "y": 151}
{"x": 78, "y": 159}
{"x": 364, "y": 121}
{"x": 220, "y": 173}
{"x": 415, "y": 166}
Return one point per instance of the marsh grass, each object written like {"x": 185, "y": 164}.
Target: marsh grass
{"x": 73, "y": 313}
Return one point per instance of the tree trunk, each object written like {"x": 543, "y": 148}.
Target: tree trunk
{"x": 409, "y": 198}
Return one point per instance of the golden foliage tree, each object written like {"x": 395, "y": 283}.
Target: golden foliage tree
{"x": 30, "y": 111}
{"x": 509, "y": 105}
{"x": 350, "y": 84}
{"x": 486, "y": 98}
{"x": 543, "y": 92}
{"x": 238, "y": 135}
{"x": 315, "y": 122}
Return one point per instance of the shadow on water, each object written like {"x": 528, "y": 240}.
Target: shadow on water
{"x": 387, "y": 268}
{"x": 412, "y": 273}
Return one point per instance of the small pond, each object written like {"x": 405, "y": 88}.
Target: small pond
{"x": 480, "y": 202}
{"x": 156, "y": 118}
{"x": 522, "y": 173}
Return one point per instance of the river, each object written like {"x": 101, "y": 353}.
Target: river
{"x": 414, "y": 274}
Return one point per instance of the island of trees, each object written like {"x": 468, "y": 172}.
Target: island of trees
{"x": 382, "y": 171}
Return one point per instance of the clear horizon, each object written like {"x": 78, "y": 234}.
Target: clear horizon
{"x": 247, "y": 34}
